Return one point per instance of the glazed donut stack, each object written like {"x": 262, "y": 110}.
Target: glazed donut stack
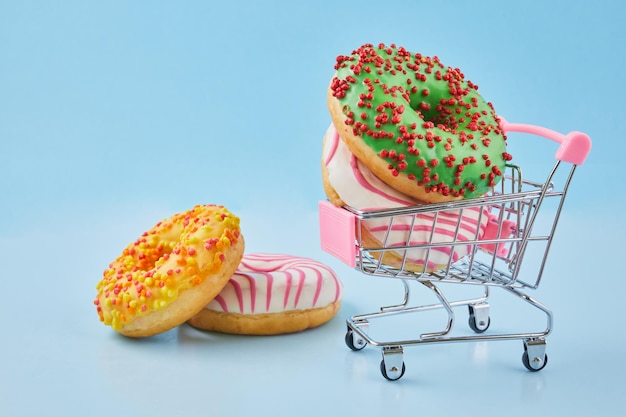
{"x": 192, "y": 268}
{"x": 407, "y": 130}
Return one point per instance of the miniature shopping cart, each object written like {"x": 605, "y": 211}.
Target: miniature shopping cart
{"x": 523, "y": 216}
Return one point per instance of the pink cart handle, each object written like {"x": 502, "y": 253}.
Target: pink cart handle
{"x": 574, "y": 147}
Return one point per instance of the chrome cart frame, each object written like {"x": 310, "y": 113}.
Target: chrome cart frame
{"x": 492, "y": 261}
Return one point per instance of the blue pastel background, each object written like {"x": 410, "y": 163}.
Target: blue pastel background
{"x": 116, "y": 114}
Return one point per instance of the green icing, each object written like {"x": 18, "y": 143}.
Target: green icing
{"x": 467, "y": 151}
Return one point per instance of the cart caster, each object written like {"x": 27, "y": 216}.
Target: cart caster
{"x": 535, "y": 357}
{"x": 392, "y": 366}
{"x": 353, "y": 340}
{"x": 479, "y": 319}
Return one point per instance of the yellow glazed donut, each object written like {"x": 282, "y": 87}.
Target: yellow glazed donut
{"x": 418, "y": 125}
{"x": 273, "y": 294}
{"x": 171, "y": 272}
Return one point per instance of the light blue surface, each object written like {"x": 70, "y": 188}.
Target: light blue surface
{"x": 116, "y": 114}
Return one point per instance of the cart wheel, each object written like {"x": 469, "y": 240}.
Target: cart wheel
{"x": 528, "y": 365}
{"x": 479, "y": 319}
{"x": 395, "y": 372}
{"x": 354, "y": 341}
{"x": 478, "y": 327}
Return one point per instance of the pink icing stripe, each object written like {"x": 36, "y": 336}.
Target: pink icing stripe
{"x": 453, "y": 218}
{"x": 318, "y": 288}
{"x": 420, "y": 228}
{"x": 462, "y": 227}
{"x": 276, "y": 266}
{"x": 239, "y": 294}
{"x": 317, "y": 269}
{"x": 333, "y": 150}
{"x": 288, "y": 285}
{"x": 299, "y": 287}
{"x": 446, "y": 250}
{"x": 252, "y": 292}
{"x": 318, "y": 285}
{"x": 336, "y": 282}
{"x": 467, "y": 219}
{"x": 358, "y": 176}
{"x": 220, "y": 300}
{"x": 268, "y": 297}
{"x": 245, "y": 267}
{"x": 338, "y": 286}
{"x": 452, "y": 222}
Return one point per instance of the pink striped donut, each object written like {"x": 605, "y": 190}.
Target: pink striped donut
{"x": 273, "y": 294}
{"x": 348, "y": 182}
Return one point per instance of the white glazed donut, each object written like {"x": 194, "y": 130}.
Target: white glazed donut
{"x": 273, "y": 294}
{"x": 347, "y": 182}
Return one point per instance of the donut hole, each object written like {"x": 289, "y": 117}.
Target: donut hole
{"x": 442, "y": 101}
{"x": 152, "y": 248}
{"x": 436, "y": 105}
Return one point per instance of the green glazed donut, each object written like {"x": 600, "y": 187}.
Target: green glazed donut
{"x": 418, "y": 125}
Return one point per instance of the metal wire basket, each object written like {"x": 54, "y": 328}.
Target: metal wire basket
{"x": 518, "y": 217}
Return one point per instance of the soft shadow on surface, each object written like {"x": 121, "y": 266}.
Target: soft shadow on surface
{"x": 158, "y": 339}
